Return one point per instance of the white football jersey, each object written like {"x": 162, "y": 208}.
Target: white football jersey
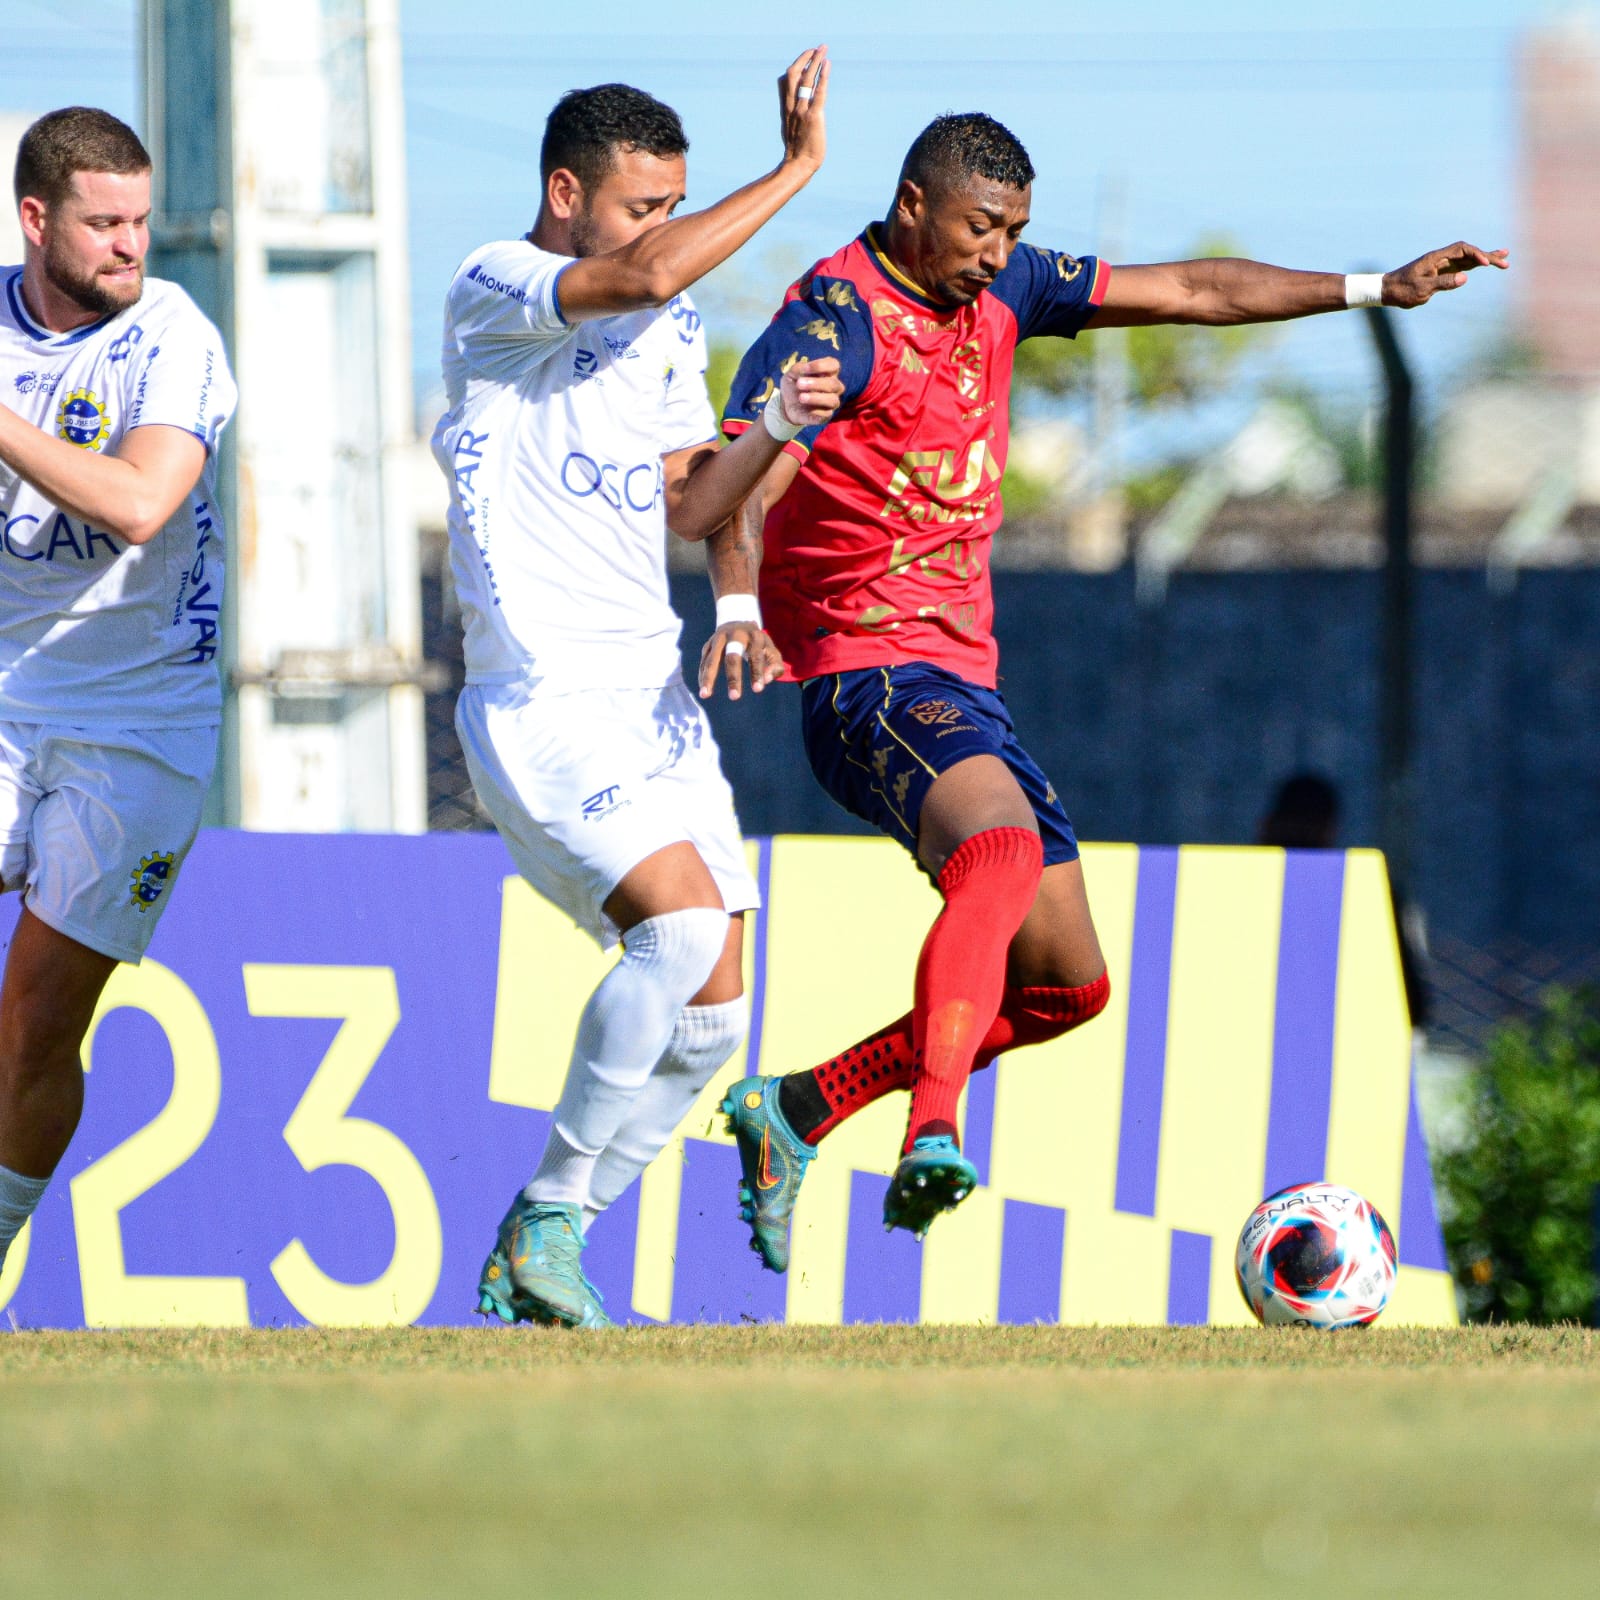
{"x": 552, "y": 444}
{"x": 96, "y": 632}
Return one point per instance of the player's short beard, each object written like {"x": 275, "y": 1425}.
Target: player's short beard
{"x": 585, "y": 233}
{"x": 90, "y": 292}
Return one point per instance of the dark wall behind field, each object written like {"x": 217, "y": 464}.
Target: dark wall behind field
{"x": 1174, "y": 724}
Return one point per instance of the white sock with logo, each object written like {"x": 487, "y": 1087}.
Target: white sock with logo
{"x": 18, "y": 1197}
{"x": 621, "y": 1036}
{"x": 702, "y": 1041}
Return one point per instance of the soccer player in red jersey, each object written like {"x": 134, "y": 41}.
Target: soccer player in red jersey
{"x": 875, "y": 588}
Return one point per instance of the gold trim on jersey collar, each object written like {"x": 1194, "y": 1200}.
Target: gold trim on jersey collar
{"x": 893, "y": 272}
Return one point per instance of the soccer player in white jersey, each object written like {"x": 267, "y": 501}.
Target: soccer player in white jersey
{"x": 113, "y": 392}
{"x": 578, "y": 429}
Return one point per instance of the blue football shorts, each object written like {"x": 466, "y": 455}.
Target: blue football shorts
{"x": 877, "y": 738}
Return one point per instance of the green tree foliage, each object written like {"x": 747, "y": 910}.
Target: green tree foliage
{"x": 1520, "y": 1194}
{"x": 1166, "y": 364}
{"x": 722, "y": 364}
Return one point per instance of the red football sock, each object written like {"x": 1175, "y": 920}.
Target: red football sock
{"x": 988, "y": 884}
{"x": 836, "y": 1090}
{"x": 1034, "y": 1015}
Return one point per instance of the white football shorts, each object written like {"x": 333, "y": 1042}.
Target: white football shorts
{"x": 95, "y": 824}
{"x": 584, "y": 786}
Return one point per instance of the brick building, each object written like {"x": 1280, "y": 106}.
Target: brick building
{"x": 1559, "y": 94}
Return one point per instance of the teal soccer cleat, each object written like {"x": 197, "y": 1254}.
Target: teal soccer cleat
{"x": 534, "y": 1273}
{"x": 773, "y": 1160}
{"x": 933, "y": 1176}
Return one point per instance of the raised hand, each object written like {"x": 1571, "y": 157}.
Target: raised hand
{"x": 1437, "y": 272}
{"x": 802, "y": 95}
{"x": 728, "y": 649}
{"x": 812, "y": 391}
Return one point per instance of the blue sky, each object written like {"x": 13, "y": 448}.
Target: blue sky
{"x": 1357, "y": 138}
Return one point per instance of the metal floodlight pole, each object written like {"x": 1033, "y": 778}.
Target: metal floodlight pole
{"x": 288, "y": 228}
{"x": 1395, "y": 712}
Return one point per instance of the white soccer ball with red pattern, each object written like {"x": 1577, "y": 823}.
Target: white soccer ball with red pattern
{"x": 1318, "y": 1255}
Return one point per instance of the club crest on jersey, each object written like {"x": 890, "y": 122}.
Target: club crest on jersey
{"x": 585, "y": 364}
{"x": 150, "y": 878}
{"x": 968, "y": 360}
{"x": 81, "y": 419}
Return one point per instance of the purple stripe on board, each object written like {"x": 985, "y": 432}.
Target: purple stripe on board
{"x": 1144, "y": 1065}
{"x": 1189, "y": 1278}
{"x": 1302, "y": 1028}
{"x": 882, "y": 1271}
{"x": 977, "y": 1137}
{"x": 717, "y": 1276}
{"x": 758, "y": 983}
{"x": 1420, "y": 1239}
{"x": 1031, "y": 1243}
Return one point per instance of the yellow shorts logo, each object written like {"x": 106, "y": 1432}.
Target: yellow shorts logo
{"x": 150, "y": 878}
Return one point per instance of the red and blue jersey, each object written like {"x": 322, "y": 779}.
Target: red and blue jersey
{"x": 879, "y": 552}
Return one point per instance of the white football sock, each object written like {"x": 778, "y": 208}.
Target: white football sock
{"x": 703, "y": 1039}
{"x": 18, "y": 1197}
{"x": 621, "y": 1035}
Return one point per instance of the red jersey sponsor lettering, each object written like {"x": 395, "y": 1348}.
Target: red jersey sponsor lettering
{"x": 879, "y": 551}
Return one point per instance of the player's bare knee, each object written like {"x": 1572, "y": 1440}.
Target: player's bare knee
{"x": 971, "y": 797}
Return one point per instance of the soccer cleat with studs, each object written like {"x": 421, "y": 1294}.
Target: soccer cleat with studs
{"x": 933, "y": 1176}
{"x": 496, "y": 1296}
{"x": 535, "y": 1272}
{"x": 772, "y": 1160}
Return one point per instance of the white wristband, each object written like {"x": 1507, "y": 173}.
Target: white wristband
{"x": 1363, "y": 289}
{"x": 738, "y": 608}
{"x": 778, "y": 425}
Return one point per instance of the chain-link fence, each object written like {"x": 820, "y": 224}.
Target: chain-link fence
{"x": 1474, "y": 990}
{"x": 452, "y": 805}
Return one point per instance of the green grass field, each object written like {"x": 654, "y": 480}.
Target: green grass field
{"x": 773, "y": 1462}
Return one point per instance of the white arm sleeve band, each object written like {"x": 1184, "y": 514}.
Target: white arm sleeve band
{"x": 1363, "y": 289}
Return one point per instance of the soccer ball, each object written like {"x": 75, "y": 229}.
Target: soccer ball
{"x": 1318, "y": 1255}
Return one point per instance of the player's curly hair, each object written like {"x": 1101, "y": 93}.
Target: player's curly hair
{"x": 962, "y": 145}
{"x": 71, "y": 140}
{"x": 589, "y": 126}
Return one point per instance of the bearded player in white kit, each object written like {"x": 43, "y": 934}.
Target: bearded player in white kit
{"x": 578, "y": 430}
{"x": 113, "y": 392}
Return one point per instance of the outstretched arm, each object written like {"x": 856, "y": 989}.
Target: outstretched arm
{"x": 130, "y": 494}
{"x": 667, "y": 260}
{"x": 1226, "y": 290}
